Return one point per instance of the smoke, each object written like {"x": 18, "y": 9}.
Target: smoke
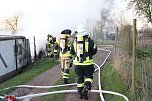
{"x": 42, "y": 17}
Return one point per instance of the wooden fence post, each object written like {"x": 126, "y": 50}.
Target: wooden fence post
{"x": 35, "y": 55}
{"x": 115, "y": 46}
{"x": 134, "y": 58}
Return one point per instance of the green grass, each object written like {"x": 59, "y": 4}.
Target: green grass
{"x": 28, "y": 74}
{"x": 108, "y": 42}
{"x": 58, "y": 97}
{"x": 104, "y": 42}
{"x": 111, "y": 82}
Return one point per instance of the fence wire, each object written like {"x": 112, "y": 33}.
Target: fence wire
{"x": 143, "y": 62}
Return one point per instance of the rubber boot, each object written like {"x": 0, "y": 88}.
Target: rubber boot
{"x": 65, "y": 81}
{"x": 85, "y": 93}
{"x": 81, "y": 96}
{"x": 80, "y": 92}
{"x": 85, "y": 97}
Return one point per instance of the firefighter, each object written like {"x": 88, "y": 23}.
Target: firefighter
{"x": 49, "y": 45}
{"x": 56, "y": 51}
{"x": 63, "y": 45}
{"x": 83, "y": 48}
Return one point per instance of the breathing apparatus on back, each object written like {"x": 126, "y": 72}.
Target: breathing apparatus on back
{"x": 81, "y": 43}
{"x": 65, "y": 34}
{"x": 63, "y": 42}
{"x": 80, "y": 47}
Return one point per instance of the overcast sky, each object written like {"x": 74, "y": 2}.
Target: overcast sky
{"x": 40, "y": 17}
{"x": 51, "y": 16}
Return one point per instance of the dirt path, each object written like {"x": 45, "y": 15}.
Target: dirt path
{"x": 98, "y": 59}
{"x": 46, "y": 79}
{"x": 51, "y": 76}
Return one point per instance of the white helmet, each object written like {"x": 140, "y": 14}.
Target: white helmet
{"x": 82, "y": 30}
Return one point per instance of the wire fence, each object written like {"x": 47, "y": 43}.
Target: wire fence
{"x": 123, "y": 61}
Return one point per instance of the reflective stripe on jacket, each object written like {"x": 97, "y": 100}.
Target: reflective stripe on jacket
{"x": 90, "y": 50}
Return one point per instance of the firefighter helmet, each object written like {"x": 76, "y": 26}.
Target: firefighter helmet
{"x": 67, "y": 32}
{"x": 82, "y": 30}
{"x": 49, "y": 36}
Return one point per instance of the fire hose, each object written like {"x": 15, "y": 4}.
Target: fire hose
{"x": 13, "y": 98}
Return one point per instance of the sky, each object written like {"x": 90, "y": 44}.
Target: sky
{"x": 51, "y": 16}
{"x": 41, "y": 17}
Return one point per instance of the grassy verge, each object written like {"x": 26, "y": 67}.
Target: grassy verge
{"x": 111, "y": 82}
{"x": 58, "y": 97}
{"x": 28, "y": 74}
{"x": 104, "y": 42}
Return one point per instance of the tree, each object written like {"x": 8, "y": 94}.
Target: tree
{"x": 105, "y": 13}
{"x": 125, "y": 32}
{"x": 12, "y": 22}
{"x": 105, "y": 19}
{"x": 142, "y": 8}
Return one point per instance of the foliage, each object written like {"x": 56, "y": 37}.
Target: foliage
{"x": 144, "y": 52}
{"x": 112, "y": 82}
{"x": 142, "y": 7}
{"x": 105, "y": 14}
{"x": 144, "y": 73}
{"x": 142, "y": 63}
{"x": 125, "y": 33}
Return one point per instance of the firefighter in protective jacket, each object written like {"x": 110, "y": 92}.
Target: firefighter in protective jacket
{"x": 55, "y": 51}
{"x": 50, "y": 45}
{"x": 83, "y": 48}
{"x": 63, "y": 44}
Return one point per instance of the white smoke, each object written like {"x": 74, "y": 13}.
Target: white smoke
{"x": 42, "y": 17}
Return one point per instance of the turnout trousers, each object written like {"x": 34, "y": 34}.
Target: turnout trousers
{"x": 65, "y": 67}
{"x": 84, "y": 76}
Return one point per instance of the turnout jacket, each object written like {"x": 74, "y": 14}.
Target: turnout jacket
{"x": 66, "y": 53}
{"x": 90, "y": 50}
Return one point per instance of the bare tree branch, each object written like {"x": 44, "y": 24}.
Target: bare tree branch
{"x": 142, "y": 7}
{"x": 12, "y": 22}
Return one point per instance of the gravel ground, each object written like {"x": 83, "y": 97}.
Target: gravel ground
{"x": 50, "y": 77}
